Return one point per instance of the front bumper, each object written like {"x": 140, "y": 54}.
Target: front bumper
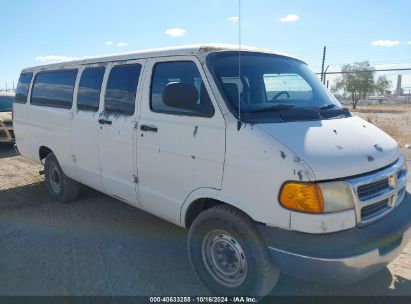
{"x": 341, "y": 257}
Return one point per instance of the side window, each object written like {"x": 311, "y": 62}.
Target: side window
{"x": 121, "y": 89}
{"x": 23, "y": 87}
{"x": 88, "y": 97}
{"x": 54, "y": 89}
{"x": 184, "y": 72}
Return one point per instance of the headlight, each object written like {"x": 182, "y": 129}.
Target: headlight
{"x": 316, "y": 198}
{"x": 337, "y": 196}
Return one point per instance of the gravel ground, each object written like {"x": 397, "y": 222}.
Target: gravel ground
{"x": 100, "y": 246}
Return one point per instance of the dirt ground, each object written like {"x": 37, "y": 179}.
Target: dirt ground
{"x": 395, "y": 119}
{"x": 97, "y": 245}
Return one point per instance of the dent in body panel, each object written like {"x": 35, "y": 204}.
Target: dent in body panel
{"x": 378, "y": 148}
{"x": 303, "y": 171}
{"x": 341, "y": 144}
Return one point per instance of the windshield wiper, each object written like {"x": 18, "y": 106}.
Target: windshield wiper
{"x": 329, "y": 106}
{"x": 276, "y": 107}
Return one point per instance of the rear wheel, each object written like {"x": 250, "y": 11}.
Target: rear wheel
{"x": 228, "y": 254}
{"x": 59, "y": 187}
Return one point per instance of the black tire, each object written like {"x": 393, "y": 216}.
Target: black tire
{"x": 60, "y": 188}
{"x": 261, "y": 272}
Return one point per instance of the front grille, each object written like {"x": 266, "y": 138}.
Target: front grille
{"x": 373, "y": 210}
{"x": 373, "y": 189}
{"x": 378, "y": 193}
{"x": 8, "y": 124}
{"x": 3, "y": 134}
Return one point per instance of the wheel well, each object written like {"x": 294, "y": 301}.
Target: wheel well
{"x": 43, "y": 152}
{"x": 197, "y": 207}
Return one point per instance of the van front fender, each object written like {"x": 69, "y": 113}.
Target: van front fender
{"x": 218, "y": 195}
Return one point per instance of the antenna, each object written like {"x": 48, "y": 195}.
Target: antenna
{"x": 239, "y": 63}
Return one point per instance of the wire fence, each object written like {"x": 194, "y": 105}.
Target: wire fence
{"x": 397, "y": 91}
{"x": 8, "y": 89}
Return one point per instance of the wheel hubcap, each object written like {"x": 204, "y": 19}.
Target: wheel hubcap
{"x": 55, "y": 179}
{"x": 224, "y": 259}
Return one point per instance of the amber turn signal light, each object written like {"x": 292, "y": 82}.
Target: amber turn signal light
{"x": 302, "y": 197}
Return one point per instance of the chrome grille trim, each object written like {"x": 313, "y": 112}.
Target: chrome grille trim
{"x": 372, "y": 210}
{"x": 393, "y": 194}
{"x": 374, "y": 189}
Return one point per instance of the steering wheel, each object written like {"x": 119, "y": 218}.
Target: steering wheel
{"x": 281, "y": 93}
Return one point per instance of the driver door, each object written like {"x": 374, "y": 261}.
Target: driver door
{"x": 178, "y": 150}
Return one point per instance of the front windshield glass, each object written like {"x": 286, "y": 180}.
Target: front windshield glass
{"x": 6, "y": 103}
{"x": 272, "y": 88}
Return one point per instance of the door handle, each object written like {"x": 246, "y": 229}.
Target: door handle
{"x": 104, "y": 122}
{"x": 147, "y": 128}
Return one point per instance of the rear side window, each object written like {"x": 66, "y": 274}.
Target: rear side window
{"x": 88, "y": 97}
{"x": 23, "y": 87}
{"x": 121, "y": 89}
{"x": 185, "y": 72}
{"x": 54, "y": 89}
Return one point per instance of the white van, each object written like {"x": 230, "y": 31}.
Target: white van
{"x": 258, "y": 160}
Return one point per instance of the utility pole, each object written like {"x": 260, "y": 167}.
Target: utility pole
{"x": 323, "y": 63}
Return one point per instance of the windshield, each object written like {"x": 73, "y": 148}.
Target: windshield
{"x": 6, "y": 103}
{"x": 272, "y": 88}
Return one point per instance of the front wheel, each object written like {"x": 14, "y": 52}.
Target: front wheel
{"x": 228, "y": 254}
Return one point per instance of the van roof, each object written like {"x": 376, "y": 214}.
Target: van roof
{"x": 160, "y": 52}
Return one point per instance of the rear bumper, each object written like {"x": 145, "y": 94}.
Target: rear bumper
{"x": 342, "y": 257}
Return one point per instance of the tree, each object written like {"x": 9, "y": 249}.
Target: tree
{"x": 383, "y": 85}
{"x": 357, "y": 80}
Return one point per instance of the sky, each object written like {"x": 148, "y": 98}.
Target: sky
{"x": 43, "y": 31}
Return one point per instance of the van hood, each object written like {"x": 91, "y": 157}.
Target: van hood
{"x": 336, "y": 148}
{"x": 5, "y": 116}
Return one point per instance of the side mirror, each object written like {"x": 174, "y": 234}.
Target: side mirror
{"x": 180, "y": 95}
